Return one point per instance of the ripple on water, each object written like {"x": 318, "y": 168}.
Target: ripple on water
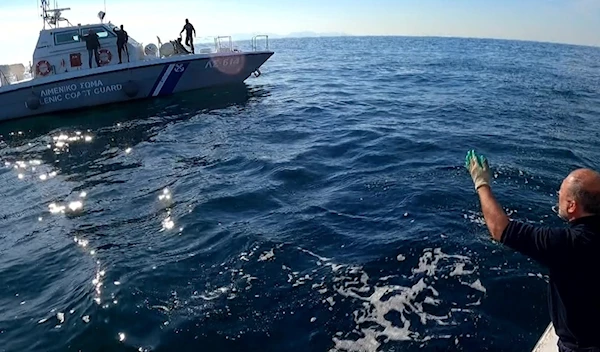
{"x": 357, "y": 310}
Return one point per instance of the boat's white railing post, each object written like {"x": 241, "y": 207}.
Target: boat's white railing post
{"x": 255, "y": 42}
{"x": 219, "y": 47}
{"x": 3, "y": 79}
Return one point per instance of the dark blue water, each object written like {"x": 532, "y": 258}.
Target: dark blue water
{"x": 322, "y": 206}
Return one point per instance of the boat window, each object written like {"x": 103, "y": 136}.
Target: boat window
{"x": 102, "y": 32}
{"x": 66, "y": 37}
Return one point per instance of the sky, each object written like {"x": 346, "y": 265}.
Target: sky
{"x": 563, "y": 21}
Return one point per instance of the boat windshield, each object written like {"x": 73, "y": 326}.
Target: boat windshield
{"x": 70, "y": 36}
{"x": 101, "y": 31}
{"x": 66, "y": 37}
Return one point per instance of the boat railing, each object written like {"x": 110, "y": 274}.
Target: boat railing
{"x": 3, "y": 80}
{"x": 221, "y": 47}
{"x": 255, "y": 41}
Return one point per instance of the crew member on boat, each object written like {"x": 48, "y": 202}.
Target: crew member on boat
{"x": 122, "y": 39}
{"x": 92, "y": 44}
{"x": 189, "y": 29}
{"x": 571, "y": 254}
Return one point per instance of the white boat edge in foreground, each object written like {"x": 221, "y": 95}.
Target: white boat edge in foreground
{"x": 548, "y": 342}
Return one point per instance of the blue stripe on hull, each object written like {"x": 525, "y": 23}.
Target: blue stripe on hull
{"x": 164, "y": 69}
{"x": 174, "y": 76}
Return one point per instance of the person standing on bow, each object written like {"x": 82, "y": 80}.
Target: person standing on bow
{"x": 572, "y": 254}
{"x": 92, "y": 44}
{"x": 122, "y": 39}
{"x": 189, "y": 29}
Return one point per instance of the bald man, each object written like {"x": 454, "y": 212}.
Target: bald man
{"x": 572, "y": 254}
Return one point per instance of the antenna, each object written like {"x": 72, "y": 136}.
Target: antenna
{"x": 52, "y": 16}
{"x": 101, "y": 14}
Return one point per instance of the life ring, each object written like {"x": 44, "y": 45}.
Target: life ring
{"x": 42, "y": 68}
{"x": 104, "y": 57}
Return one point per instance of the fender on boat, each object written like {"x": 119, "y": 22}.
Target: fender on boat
{"x": 32, "y": 102}
{"x": 131, "y": 89}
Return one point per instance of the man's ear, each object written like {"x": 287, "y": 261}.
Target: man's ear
{"x": 572, "y": 207}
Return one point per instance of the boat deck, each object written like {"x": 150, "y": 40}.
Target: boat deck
{"x": 548, "y": 341}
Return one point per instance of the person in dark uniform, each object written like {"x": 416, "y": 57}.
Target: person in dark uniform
{"x": 122, "y": 39}
{"x": 189, "y": 29}
{"x": 571, "y": 255}
{"x": 92, "y": 44}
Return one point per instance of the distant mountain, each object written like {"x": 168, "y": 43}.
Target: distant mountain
{"x": 309, "y": 34}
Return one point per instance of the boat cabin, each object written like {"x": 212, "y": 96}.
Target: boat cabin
{"x": 63, "y": 49}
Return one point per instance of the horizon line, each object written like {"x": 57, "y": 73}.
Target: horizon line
{"x": 441, "y": 36}
{"x": 317, "y": 35}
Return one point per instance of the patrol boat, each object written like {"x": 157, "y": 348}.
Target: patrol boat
{"x": 61, "y": 79}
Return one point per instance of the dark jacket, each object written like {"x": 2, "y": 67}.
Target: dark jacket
{"x": 572, "y": 256}
{"x": 122, "y": 36}
{"x": 188, "y": 28}
{"x": 91, "y": 41}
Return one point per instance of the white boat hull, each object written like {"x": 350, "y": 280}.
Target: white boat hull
{"x": 121, "y": 83}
